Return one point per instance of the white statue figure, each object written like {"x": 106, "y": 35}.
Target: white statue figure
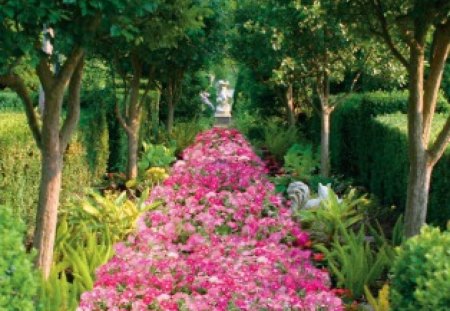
{"x": 205, "y": 99}
{"x": 298, "y": 192}
{"x": 224, "y": 98}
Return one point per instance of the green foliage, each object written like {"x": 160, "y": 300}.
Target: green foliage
{"x": 94, "y": 132}
{"x": 353, "y": 262}
{"x": 184, "y": 133}
{"x": 18, "y": 280}
{"x": 324, "y": 221}
{"x": 20, "y": 168}
{"x": 114, "y": 215}
{"x": 155, "y": 156}
{"x": 373, "y": 150}
{"x": 9, "y": 100}
{"x": 278, "y": 139}
{"x": 301, "y": 161}
{"x": 77, "y": 258}
{"x": 421, "y": 272}
{"x": 57, "y": 293}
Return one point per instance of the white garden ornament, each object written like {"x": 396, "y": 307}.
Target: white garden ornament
{"x": 299, "y": 194}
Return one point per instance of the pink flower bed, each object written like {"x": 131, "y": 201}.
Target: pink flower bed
{"x": 222, "y": 241}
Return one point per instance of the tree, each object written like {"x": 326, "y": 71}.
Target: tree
{"x": 417, "y": 33}
{"x": 256, "y": 44}
{"x": 136, "y": 39}
{"x": 75, "y": 24}
{"x": 197, "y": 50}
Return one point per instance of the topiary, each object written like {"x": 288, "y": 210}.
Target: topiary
{"x": 421, "y": 272}
{"x": 18, "y": 281}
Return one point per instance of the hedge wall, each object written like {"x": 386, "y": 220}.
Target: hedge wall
{"x": 369, "y": 143}
{"x": 20, "y": 167}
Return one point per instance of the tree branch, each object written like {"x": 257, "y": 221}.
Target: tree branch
{"x": 119, "y": 116}
{"x": 15, "y": 83}
{"x": 433, "y": 82}
{"x": 385, "y": 33}
{"x": 73, "y": 110}
{"x": 441, "y": 143}
{"x": 69, "y": 66}
{"x": 45, "y": 74}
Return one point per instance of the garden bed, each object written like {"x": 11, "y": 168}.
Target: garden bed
{"x": 222, "y": 240}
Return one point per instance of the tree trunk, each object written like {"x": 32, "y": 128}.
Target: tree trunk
{"x": 132, "y": 170}
{"x": 50, "y": 185}
{"x": 53, "y": 143}
{"x": 325, "y": 143}
{"x": 170, "y": 115}
{"x": 419, "y": 170}
{"x": 133, "y": 128}
{"x": 290, "y": 105}
{"x": 417, "y": 197}
{"x": 47, "y": 214}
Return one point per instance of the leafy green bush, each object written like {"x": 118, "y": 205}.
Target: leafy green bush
{"x": 184, "y": 133}
{"x": 368, "y": 142}
{"x": 18, "y": 281}
{"x": 421, "y": 272}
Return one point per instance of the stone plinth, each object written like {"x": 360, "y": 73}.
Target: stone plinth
{"x": 222, "y": 120}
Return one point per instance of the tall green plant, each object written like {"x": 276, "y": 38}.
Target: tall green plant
{"x": 353, "y": 262}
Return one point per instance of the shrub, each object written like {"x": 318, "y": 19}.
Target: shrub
{"x": 17, "y": 279}
{"x": 20, "y": 168}
{"x": 421, "y": 272}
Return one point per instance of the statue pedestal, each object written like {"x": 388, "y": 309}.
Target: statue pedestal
{"x": 222, "y": 119}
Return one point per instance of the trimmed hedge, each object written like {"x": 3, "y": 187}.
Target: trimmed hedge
{"x": 373, "y": 149}
{"x": 20, "y": 168}
{"x": 18, "y": 281}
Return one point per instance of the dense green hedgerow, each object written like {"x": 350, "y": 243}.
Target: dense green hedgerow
{"x": 421, "y": 272}
{"x": 20, "y": 168}
{"x": 372, "y": 148}
{"x": 18, "y": 281}
{"x": 393, "y": 162}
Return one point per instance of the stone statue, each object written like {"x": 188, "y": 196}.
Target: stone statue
{"x": 224, "y": 98}
{"x": 222, "y": 110}
{"x": 298, "y": 192}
